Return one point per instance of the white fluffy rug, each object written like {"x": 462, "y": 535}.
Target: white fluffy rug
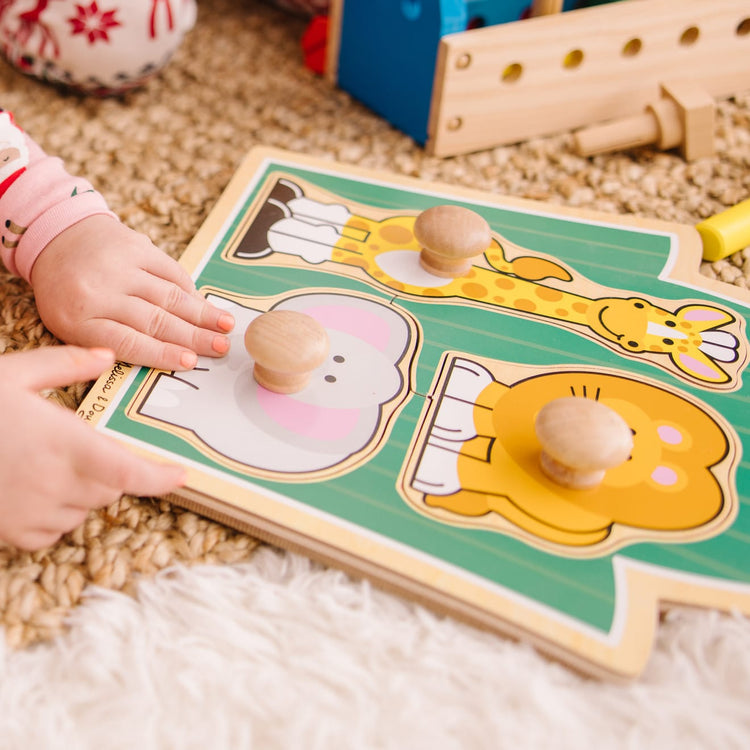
{"x": 282, "y": 653}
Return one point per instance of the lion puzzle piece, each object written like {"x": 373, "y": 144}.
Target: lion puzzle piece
{"x": 581, "y": 439}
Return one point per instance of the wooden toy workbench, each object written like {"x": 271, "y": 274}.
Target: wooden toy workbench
{"x": 457, "y": 89}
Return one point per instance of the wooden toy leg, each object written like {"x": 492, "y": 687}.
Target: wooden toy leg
{"x": 683, "y": 116}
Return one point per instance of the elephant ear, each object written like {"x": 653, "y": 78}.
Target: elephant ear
{"x": 377, "y": 323}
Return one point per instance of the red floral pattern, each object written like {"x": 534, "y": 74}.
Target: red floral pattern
{"x": 92, "y": 22}
{"x": 96, "y": 46}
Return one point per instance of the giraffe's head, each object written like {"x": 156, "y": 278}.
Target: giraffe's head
{"x": 695, "y": 337}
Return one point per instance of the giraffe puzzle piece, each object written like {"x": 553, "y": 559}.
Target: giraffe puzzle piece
{"x": 696, "y": 341}
{"x": 451, "y": 238}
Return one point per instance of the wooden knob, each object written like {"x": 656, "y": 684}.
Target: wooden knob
{"x": 581, "y": 439}
{"x": 286, "y": 346}
{"x": 451, "y": 237}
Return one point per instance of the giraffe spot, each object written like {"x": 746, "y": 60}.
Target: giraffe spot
{"x": 547, "y": 294}
{"x": 498, "y": 261}
{"x": 683, "y": 349}
{"x": 685, "y": 325}
{"x": 655, "y": 348}
{"x": 358, "y": 224}
{"x": 504, "y": 283}
{"x": 359, "y": 263}
{"x": 475, "y": 291}
{"x": 499, "y": 300}
{"x": 658, "y": 311}
{"x": 373, "y": 247}
{"x": 432, "y": 293}
{"x": 561, "y": 312}
{"x": 580, "y": 307}
{"x": 525, "y": 304}
{"x": 396, "y": 235}
{"x": 347, "y": 247}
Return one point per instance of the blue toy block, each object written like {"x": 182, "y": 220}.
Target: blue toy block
{"x": 388, "y": 49}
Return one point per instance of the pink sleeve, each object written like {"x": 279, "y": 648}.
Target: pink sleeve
{"x": 38, "y": 198}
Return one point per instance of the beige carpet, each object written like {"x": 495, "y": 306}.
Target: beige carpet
{"x": 162, "y": 156}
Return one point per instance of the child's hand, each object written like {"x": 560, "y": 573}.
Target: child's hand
{"x": 54, "y": 468}
{"x": 100, "y": 283}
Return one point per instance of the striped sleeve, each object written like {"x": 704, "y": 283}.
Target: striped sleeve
{"x": 38, "y": 198}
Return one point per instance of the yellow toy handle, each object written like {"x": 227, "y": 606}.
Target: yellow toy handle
{"x": 726, "y": 232}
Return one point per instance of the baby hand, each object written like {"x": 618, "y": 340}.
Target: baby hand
{"x": 99, "y": 283}
{"x": 54, "y": 468}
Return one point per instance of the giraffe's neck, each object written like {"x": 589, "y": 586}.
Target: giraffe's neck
{"x": 371, "y": 246}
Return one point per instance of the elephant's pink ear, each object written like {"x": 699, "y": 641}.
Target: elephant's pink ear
{"x": 364, "y": 324}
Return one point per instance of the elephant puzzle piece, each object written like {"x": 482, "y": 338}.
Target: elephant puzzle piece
{"x": 363, "y": 349}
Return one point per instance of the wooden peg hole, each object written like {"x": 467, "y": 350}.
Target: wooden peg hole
{"x": 512, "y": 73}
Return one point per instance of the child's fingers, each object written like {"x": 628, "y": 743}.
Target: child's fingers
{"x": 33, "y": 539}
{"x": 138, "y": 348}
{"x": 144, "y": 334}
{"x": 107, "y": 470}
{"x": 62, "y": 519}
{"x": 162, "y": 265}
{"x": 163, "y": 275}
{"x": 186, "y": 305}
{"x": 53, "y": 366}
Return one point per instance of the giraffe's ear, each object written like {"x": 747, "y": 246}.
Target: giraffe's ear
{"x": 700, "y": 367}
{"x": 704, "y": 362}
{"x": 702, "y": 317}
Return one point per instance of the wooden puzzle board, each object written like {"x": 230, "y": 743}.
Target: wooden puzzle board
{"x": 410, "y": 458}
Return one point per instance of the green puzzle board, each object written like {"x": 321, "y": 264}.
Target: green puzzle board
{"x": 582, "y": 610}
